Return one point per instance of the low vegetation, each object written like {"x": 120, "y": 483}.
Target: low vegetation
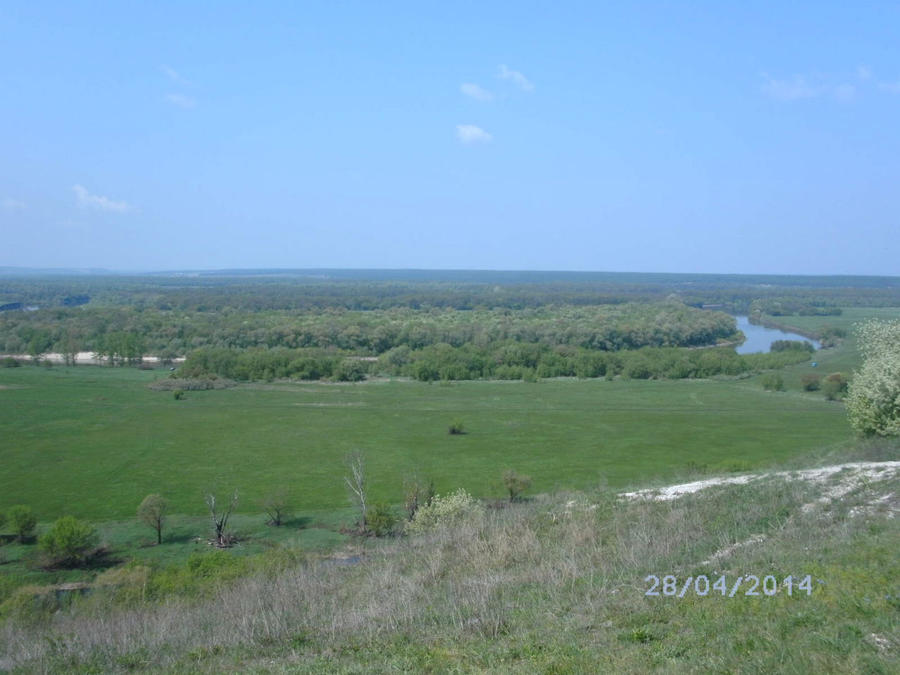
{"x": 554, "y": 584}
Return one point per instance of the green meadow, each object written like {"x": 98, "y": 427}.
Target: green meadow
{"x": 93, "y": 441}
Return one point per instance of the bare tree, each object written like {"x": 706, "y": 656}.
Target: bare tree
{"x": 356, "y": 483}
{"x": 277, "y": 507}
{"x": 152, "y": 511}
{"x": 220, "y": 519}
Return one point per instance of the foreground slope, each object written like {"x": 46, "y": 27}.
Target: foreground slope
{"x": 557, "y": 584}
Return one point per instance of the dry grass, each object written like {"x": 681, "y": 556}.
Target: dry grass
{"x": 555, "y": 584}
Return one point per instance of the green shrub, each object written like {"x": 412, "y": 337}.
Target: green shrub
{"x": 835, "y": 386}
{"x": 456, "y": 429}
{"x": 447, "y": 510}
{"x": 417, "y": 493}
{"x": 381, "y": 519}
{"x": 178, "y": 394}
{"x": 811, "y": 382}
{"x": 515, "y": 484}
{"x": 9, "y": 362}
{"x": 350, "y": 370}
{"x": 788, "y": 345}
{"x": 69, "y": 543}
{"x": 23, "y": 521}
{"x": 773, "y": 382}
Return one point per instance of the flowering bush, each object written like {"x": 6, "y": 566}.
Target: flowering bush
{"x": 873, "y": 398}
{"x": 445, "y": 510}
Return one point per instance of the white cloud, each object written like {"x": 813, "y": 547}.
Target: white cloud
{"x": 843, "y": 92}
{"x": 88, "y": 201}
{"x": 799, "y": 88}
{"x": 469, "y": 133}
{"x": 181, "y": 101}
{"x": 474, "y": 91}
{"x": 518, "y": 78}
{"x": 790, "y": 90}
{"x": 10, "y": 204}
{"x": 174, "y": 75}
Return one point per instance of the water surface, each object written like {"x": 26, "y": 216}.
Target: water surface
{"x": 760, "y": 338}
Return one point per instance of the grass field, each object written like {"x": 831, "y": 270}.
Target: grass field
{"x": 93, "y": 441}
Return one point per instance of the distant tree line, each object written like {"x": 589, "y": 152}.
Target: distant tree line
{"x": 506, "y": 361}
{"x": 124, "y": 333}
{"x": 372, "y": 289}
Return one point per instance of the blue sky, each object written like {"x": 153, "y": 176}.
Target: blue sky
{"x": 675, "y": 137}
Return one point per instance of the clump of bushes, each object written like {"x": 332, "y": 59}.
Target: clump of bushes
{"x": 350, "y": 370}
{"x": 381, "y": 519}
{"x": 789, "y": 345}
{"x": 69, "y": 543}
{"x": 773, "y": 382}
{"x": 811, "y": 382}
{"x": 444, "y": 511}
{"x": 456, "y": 428}
{"x": 23, "y": 521}
{"x": 835, "y": 386}
{"x": 9, "y": 362}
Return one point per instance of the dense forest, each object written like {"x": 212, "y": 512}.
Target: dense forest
{"x": 345, "y": 325}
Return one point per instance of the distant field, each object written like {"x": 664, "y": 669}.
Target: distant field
{"x": 845, "y": 359}
{"x": 93, "y": 441}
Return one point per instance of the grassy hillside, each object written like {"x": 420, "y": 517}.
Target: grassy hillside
{"x": 554, "y": 585}
{"x": 93, "y": 441}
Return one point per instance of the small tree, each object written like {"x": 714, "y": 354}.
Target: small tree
{"x": 417, "y": 493}
{"x": 152, "y": 511}
{"x": 277, "y": 507}
{"x": 515, "y": 484}
{"x": 220, "y": 516}
{"x": 23, "y": 521}
{"x": 356, "y": 484}
{"x": 69, "y": 543}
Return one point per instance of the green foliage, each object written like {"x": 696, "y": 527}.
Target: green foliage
{"x": 152, "y": 512}
{"x": 69, "y": 542}
{"x": 417, "y": 493}
{"x": 835, "y": 386}
{"x": 9, "y": 362}
{"x": 515, "y": 484}
{"x": 2, "y": 519}
{"x": 789, "y": 345}
{"x": 22, "y": 520}
{"x": 381, "y": 519}
{"x": 456, "y": 428}
{"x": 277, "y": 506}
{"x": 444, "y": 511}
{"x": 811, "y": 382}
{"x": 350, "y": 370}
{"x": 773, "y": 382}
{"x": 178, "y": 394}
{"x": 873, "y": 397}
